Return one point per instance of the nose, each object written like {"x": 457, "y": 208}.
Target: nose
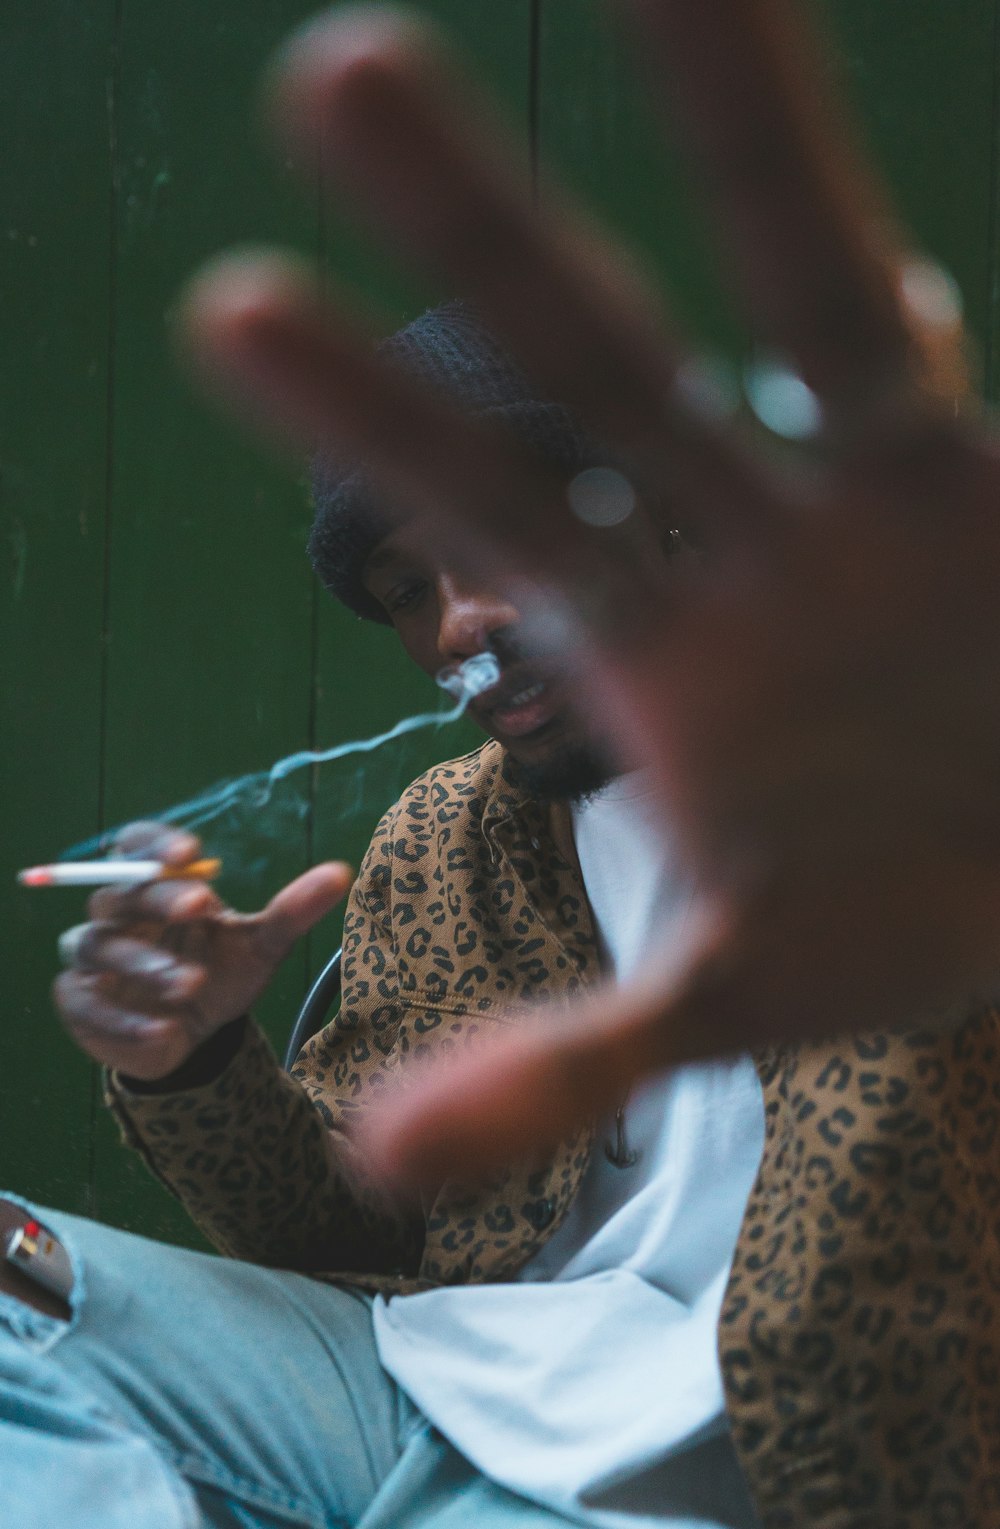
{"x": 468, "y": 612}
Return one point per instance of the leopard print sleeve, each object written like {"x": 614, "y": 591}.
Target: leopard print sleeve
{"x": 259, "y": 1158}
{"x": 343, "y": 1064}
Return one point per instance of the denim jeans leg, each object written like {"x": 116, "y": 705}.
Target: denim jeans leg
{"x": 66, "y": 1460}
{"x": 192, "y": 1390}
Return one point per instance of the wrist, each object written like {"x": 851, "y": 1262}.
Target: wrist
{"x": 204, "y": 1064}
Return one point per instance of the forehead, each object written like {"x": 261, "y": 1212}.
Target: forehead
{"x": 396, "y": 546}
{"x": 419, "y": 545}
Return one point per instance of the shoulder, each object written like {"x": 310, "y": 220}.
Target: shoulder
{"x": 447, "y": 803}
{"x": 437, "y": 820}
{"x": 457, "y": 789}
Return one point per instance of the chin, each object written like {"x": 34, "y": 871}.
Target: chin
{"x": 564, "y": 772}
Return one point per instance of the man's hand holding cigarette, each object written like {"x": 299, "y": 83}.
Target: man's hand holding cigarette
{"x": 161, "y": 967}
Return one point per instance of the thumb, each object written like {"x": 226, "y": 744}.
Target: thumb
{"x": 294, "y": 910}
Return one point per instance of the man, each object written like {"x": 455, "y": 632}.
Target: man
{"x": 550, "y": 1334}
{"x": 556, "y": 1324}
{"x": 819, "y": 703}
{"x": 859, "y": 1334}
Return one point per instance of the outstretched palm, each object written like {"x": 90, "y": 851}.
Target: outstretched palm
{"x": 818, "y": 691}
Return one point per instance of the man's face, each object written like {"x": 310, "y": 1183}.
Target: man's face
{"x": 443, "y": 616}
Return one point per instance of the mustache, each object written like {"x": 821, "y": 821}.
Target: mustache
{"x": 507, "y": 648}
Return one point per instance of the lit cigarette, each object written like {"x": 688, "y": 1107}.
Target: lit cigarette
{"x": 104, "y": 873}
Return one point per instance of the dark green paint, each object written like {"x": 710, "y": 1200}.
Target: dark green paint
{"x": 54, "y": 277}
{"x": 159, "y": 628}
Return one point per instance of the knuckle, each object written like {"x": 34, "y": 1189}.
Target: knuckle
{"x": 184, "y": 980}
{"x": 157, "y": 840}
{"x": 141, "y": 834}
{"x": 70, "y": 943}
{"x": 152, "y": 903}
{"x": 175, "y": 899}
{"x": 160, "y": 901}
{"x": 92, "y": 948}
{"x": 177, "y": 846}
{"x": 107, "y": 905}
{"x": 64, "y": 992}
{"x": 189, "y": 901}
{"x": 77, "y": 1001}
{"x": 119, "y": 1025}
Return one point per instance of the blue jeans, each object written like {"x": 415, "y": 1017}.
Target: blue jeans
{"x": 188, "y": 1391}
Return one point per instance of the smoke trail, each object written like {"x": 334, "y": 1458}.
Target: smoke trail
{"x": 252, "y": 794}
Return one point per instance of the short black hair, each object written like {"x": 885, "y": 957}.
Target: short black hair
{"x": 450, "y": 349}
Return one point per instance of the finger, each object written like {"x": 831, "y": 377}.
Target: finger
{"x": 264, "y": 334}
{"x": 731, "y": 982}
{"x": 381, "y": 96}
{"x": 808, "y": 232}
{"x": 423, "y": 158}
{"x": 141, "y": 1044}
{"x": 537, "y": 1083}
{"x": 511, "y": 1096}
{"x": 155, "y": 841}
{"x": 301, "y": 905}
{"x": 155, "y": 903}
{"x": 153, "y": 976}
{"x": 268, "y": 340}
{"x": 70, "y": 942}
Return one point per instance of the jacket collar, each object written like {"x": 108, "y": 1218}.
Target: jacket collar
{"x": 534, "y": 842}
{"x": 508, "y": 799}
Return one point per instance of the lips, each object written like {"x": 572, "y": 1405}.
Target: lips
{"x": 519, "y": 705}
{"x": 524, "y": 696}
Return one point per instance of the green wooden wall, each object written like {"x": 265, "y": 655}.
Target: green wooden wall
{"x": 159, "y": 627}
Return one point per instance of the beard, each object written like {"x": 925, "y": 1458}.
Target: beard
{"x": 571, "y": 773}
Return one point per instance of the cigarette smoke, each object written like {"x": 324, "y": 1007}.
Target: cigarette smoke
{"x": 257, "y": 805}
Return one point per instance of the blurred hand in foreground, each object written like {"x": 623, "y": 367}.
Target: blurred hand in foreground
{"x": 819, "y": 693}
{"x": 162, "y": 966}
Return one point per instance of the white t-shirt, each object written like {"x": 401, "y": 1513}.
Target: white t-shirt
{"x": 591, "y": 1385}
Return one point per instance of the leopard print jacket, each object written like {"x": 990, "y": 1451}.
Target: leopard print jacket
{"x": 860, "y": 1335}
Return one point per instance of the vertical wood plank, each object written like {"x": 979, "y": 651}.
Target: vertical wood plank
{"x": 992, "y": 346}
{"x": 923, "y": 75}
{"x": 217, "y": 655}
{"x": 598, "y": 132}
{"x": 210, "y": 647}
{"x": 54, "y": 273}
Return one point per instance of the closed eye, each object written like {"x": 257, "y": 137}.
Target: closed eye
{"x": 404, "y": 595}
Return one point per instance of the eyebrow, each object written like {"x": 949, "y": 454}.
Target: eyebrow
{"x": 380, "y": 558}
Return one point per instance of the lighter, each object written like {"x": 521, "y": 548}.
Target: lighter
{"x": 41, "y": 1257}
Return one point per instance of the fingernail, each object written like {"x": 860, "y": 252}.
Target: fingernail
{"x": 154, "y": 963}
{"x": 69, "y": 944}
